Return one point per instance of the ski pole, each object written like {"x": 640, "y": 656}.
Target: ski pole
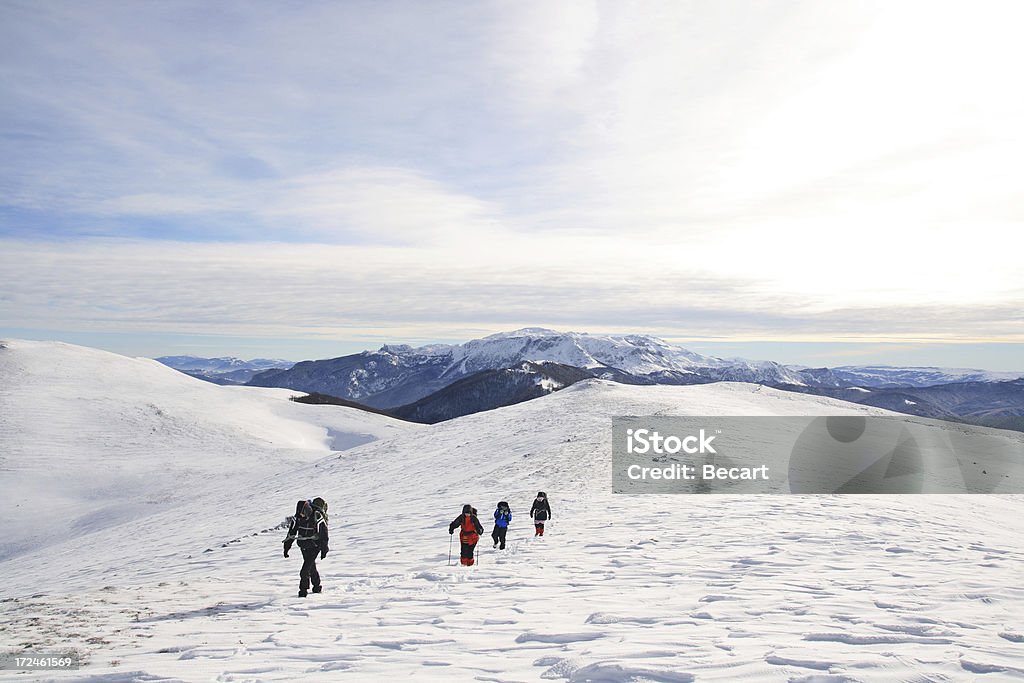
{"x": 450, "y": 537}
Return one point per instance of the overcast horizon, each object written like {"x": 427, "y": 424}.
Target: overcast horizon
{"x": 796, "y": 181}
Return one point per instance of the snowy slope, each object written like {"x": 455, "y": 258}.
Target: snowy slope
{"x": 89, "y": 439}
{"x": 642, "y": 588}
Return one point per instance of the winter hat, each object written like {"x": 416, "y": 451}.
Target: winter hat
{"x": 320, "y": 505}
{"x": 467, "y": 509}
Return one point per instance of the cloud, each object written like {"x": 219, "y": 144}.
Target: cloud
{"x": 346, "y": 291}
{"x": 355, "y": 204}
{"x": 541, "y": 50}
{"x": 748, "y": 169}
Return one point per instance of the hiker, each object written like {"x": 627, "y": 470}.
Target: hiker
{"x": 309, "y": 530}
{"x": 469, "y": 534}
{"x": 540, "y": 512}
{"x": 502, "y": 516}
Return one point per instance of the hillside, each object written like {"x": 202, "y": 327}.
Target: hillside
{"x": 490, "y": 389}
{"x": 92, "y": 439}
{"x": 622, "y": 588}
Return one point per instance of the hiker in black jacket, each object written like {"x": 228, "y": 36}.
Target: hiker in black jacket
{"x": 309, "y": 530}
{"x": 540, "y": 512}
{"x": 469, "y": 534}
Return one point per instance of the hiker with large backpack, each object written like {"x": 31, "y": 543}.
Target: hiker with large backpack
{"x": 469, "y": 534}
{"x": 540, "y": 512}
{"x": 502, "y": 517}
{"x": 309, "y": 530}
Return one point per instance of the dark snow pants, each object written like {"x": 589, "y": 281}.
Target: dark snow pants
{"x": 467, "y": 553}
{"x": 308, "y": 570}
{"x": 499, "y": 535}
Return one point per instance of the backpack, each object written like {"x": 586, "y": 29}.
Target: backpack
{"x": 468, "y": 531}
{"x": 540, "y": 509}
{"x": 320, "y": 505}
{"x": 308, "y": 527}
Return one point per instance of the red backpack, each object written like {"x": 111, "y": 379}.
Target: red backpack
{"x": 468, "y": 533}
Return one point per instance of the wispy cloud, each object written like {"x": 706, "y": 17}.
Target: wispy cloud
{"x": 274, "y": 289}
{"x": 770, "y": 169}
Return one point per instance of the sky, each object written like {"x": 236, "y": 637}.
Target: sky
{"x": 789, "y": 180}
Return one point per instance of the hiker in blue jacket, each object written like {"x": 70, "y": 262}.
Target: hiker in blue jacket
{"x": 502, "y": 516}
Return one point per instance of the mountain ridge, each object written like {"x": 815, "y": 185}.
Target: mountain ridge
{"x": 399, "y": 374}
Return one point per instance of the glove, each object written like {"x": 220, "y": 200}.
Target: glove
{"x": 286, "y": 552}
{"x": 451, "y": 531}
{"x": 287, "y": 547}
{"x": 323, "y": 553}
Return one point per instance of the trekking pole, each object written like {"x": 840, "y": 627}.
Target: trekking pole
{"x": 450, "y": 537}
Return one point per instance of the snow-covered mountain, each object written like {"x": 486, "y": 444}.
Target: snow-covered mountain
{"x": 621, "y": 588}
{"x": 90, "y": 439}
{"x": 399, "y": 374}
{"x": 389, "y": 377}
{"x": 635, "y": 354}
{"x": 227, "y": 370}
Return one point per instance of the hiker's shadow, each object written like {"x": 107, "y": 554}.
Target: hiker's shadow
{"x": 212, "y": 611}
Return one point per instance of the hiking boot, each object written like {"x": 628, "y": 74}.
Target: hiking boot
{"x": 318, "y": 589}
{"x": 302, "y": 593}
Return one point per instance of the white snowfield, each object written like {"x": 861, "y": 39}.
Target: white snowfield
{"x": 101, "y": 439}
{"x": 621, "y": 588}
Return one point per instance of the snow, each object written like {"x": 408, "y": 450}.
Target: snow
{"x": 638, "y": 354}
{"x": 103, "y": 439}
{"x": 548, "y": 384}
{"x": 620, "y": 588}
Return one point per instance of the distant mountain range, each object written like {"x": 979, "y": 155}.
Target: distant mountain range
{"x": 223, "y": 370}
{"x": 991, "y": 404}
{"x": 397, "y": 375}
{"x": 441, "y": 381}
{"x": 886, "y": 376}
